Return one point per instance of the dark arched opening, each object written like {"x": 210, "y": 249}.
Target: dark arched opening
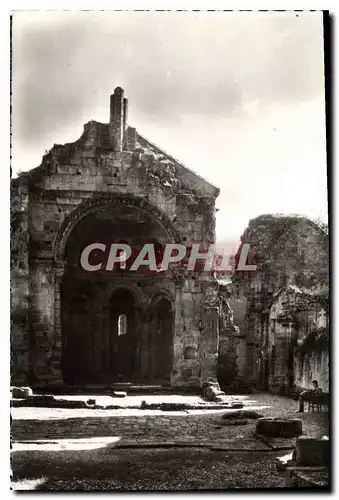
{"x": 160, "y": 341}
{"x": 78, "y": 342}
{"x": 123, "y": 338}
{"x": 107, "y": 337}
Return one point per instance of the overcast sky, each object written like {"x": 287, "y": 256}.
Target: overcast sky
{"x": 237, "y": 97}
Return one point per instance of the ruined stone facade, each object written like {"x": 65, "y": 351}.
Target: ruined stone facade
{"x": 111, "y": 185}
{"x": 278, "y": 307}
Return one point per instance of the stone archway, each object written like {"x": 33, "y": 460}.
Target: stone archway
{"x": 105, "y": 201}
{"x": 104, "y": 356}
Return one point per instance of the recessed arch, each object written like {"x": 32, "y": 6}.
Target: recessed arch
{"x": 88, "y": 206}
{"x": 91, "y": 336}
{"x": 128, "y": 287}
{"x": 162, "y": 294}
{"x": 161, "y": 334}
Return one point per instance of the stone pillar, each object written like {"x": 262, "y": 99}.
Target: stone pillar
{"x": 57, "y": 343}
{"x": 209, "y": 344}
{"x": 209, "y": 339}
{"x": 125, "y": 116}
{"x": 117, "y": 122}
{"x": 20, "y": 306}
{"x": 177, "y": 337}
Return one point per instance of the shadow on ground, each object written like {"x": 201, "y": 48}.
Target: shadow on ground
{"x": 127, "y": 470}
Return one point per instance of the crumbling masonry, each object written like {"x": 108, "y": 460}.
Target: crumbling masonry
{"x": 283, "y": 306}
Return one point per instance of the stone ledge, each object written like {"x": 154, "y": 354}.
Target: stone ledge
{"x": 307, "y": 477}
{"x": 312, "y": 451}
{"x": 222, "y": 445}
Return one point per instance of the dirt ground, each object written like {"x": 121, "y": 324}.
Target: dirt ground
{"x": 144, "y": 469}
{"x": 98, "y": 464}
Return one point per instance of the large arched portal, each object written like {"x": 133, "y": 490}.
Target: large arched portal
{"x": 111, "y": 329}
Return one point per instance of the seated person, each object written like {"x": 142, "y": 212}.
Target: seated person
{"x": 308, "y": 395}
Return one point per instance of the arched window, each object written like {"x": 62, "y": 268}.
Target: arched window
{"x": 122, "y": 324}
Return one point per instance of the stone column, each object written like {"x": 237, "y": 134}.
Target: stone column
{"x": 57, "y": 344}
{"x": 124, "y": 129}
{"x": 209, "y": 344}
{"x": 209, "y": 340}
{"x": 178, "y": 322}
{"x": 19, "y": 299}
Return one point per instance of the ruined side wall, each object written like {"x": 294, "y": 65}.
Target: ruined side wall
{"x": 298, "y": 320}
{"x": 20, "y": 313}
{"x": 288, "y": 251}
{"x": 310, "y": 366}
{"x": 301, "y": 258}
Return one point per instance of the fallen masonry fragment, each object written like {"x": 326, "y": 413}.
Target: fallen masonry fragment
{"x": 278, "y": 427}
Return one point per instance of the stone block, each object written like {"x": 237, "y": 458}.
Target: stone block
{"x": 275, "y": 427}
{"x": 119, "y": 394}
{"x": 306, "y": 477}
{"x": 312, "y": 451}
{"x": 21, "y": 392}
{"x": 212, "y": 392}
{"x": 241, "y": 421}
{"x": 241, "y": 414}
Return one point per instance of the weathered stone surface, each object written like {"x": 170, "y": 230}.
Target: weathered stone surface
{"x": 307, "y": 477}
{"x": 312, "y": 451}
{"x": 282, "y": 307}
{"x": 212, "y": 392}
{"x": 119, "y": 394}
{"x": 275, "y": 427}
{"x": 241, "y": 421}
{"x": 237, "y": 405}
{"x": 241, "y": 414}
{"x": 48, "y": 401}
{"x": 21, "y": 392}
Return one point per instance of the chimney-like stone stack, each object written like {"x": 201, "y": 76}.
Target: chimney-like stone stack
{"x": 118, "y": 106}
{"x": 122, "y": 137}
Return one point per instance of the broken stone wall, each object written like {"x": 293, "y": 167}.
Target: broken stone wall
{"x": 232, "y": 344}
{"x": 298, "y": 321}
{"x": 311, "y": 354}
{"x": 288, "y": 250}
{"x": 310, "y": 366}
{"x": 20, "y": 297}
